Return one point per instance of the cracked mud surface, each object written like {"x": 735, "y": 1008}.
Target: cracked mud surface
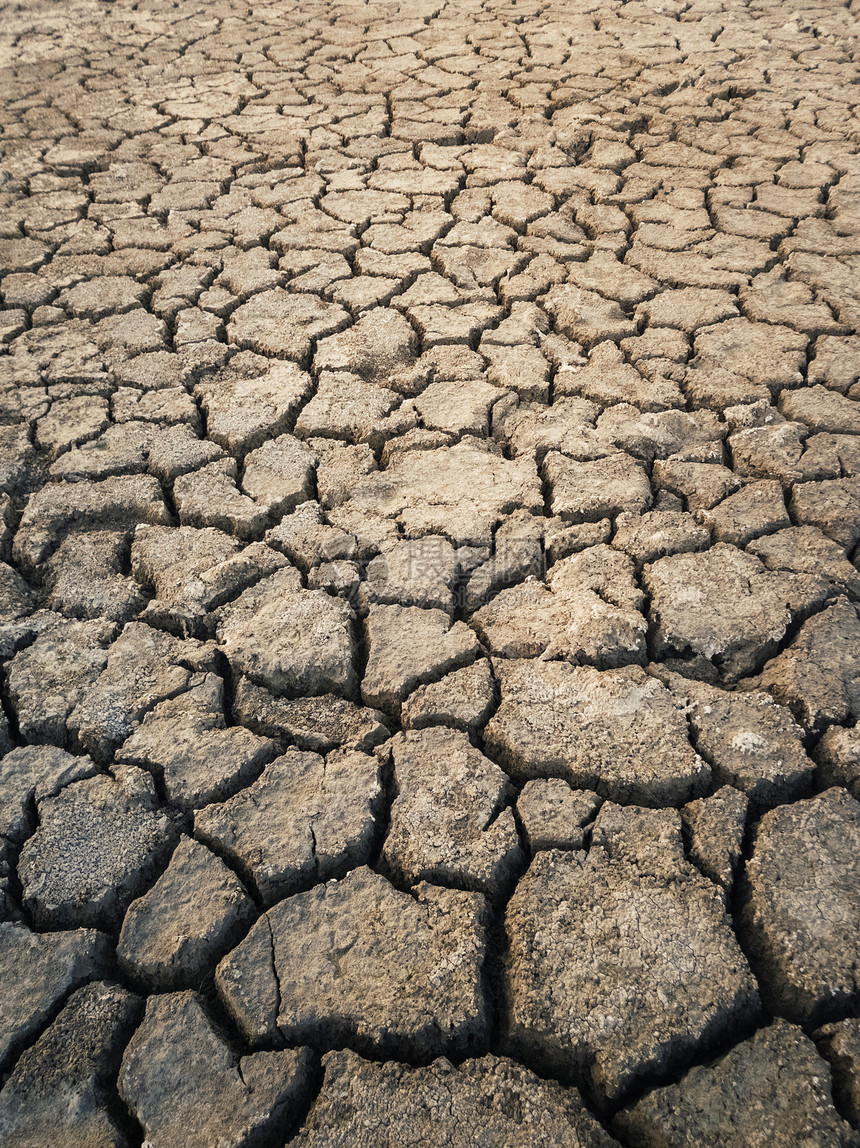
{"x": 429, "y": 580}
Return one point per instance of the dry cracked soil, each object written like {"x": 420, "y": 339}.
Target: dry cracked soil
{"x": 429, "y": 583}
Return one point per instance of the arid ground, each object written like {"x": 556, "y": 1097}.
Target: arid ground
{"x": 429, "y": 637}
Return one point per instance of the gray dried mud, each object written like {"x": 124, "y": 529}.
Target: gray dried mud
{"x": 429, "y": 574}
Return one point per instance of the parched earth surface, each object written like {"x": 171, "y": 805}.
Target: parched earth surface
{"x": 429, "y": 635}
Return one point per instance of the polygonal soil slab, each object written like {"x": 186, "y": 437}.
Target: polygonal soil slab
{"x": 459, "y": 492}
{"x": 173, "y": 935}
{"x": 757, "y": 508}
{"x": 772, "y": 1091}
{"x": 587, "y": 317}
{"x": 607, "y": 378}
{"x": 462, "y": 700}
{"x": 805, "y": 550}
{"x": 308, "y": 541}
{"x": 586, "y": 491}
{"x": 618, "y": 732}
{"x": 379, "y": 346}
{"x": 554, "y": 816}
{"x": 319, "y": 724}
{"x": 659, "y": 533}
{"x": 16, "y": 598}
{"x": 700, "y": 484}
{"x": 688, "y": 308}
{"x": 762, "y": 352}
{"x": 186, "y": 744}
{"x": 776, "y": 450}
{"x": 123, "y": 500}
{"x": 566, "y": 426}
{"x": 356, "y": 962}
{"x": 822, "y": 410}
{"x": 458, "y": 407}
{"x": 831, "y": 506}
{"x": 360, "y": 207}
{"x": 60, "y": 1089}
{"x": 48, "y": 678}
{"x": 284, "y": 325}
{"x": 38, "y": 970}
{"x": 70, "y": 423}
{"x": 802, "y": 914}
{"x": 241, "y": 413}
{"x": 184, "y": 1084}
{"x": 622, "y": 962}
{"x": 408, "y": 646}
{"x": 143, "y": 667}
{"x": 193, "y": 571}
{"x": 818, "y": 675}
{"x": 85, "y": 578}
{"x": 589, "y": 611}
{"x": 418, "y": 572}
{"x": 30, "y": 774}
{"x": 450, "y": 822}
{"x": 210, "y": 497}
{"x": 367, "y": 1105}
{"x": 291, "y": 640}
{"x": 279, "y": 474}
{"x": 724, "y": 607}
{"x": 715, "y": 828}
{"x": 838, "y": 758}
{"x": 304, "y": 820}
{"x": 346, "y": 406}
{"x": 840, "y": 1043}
{"x": 99, "y": 841}
{"x": 750, "y": 742}
{"x": 517, "y": 555}
{"x": 106, "y": 295}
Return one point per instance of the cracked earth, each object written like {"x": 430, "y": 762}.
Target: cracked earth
{"x": 430, "y": 470}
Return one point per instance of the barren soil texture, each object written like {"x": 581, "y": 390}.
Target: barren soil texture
{"x": 429, "y": 584}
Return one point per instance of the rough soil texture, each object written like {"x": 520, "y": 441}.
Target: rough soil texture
{"x": 429, "y": 574}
